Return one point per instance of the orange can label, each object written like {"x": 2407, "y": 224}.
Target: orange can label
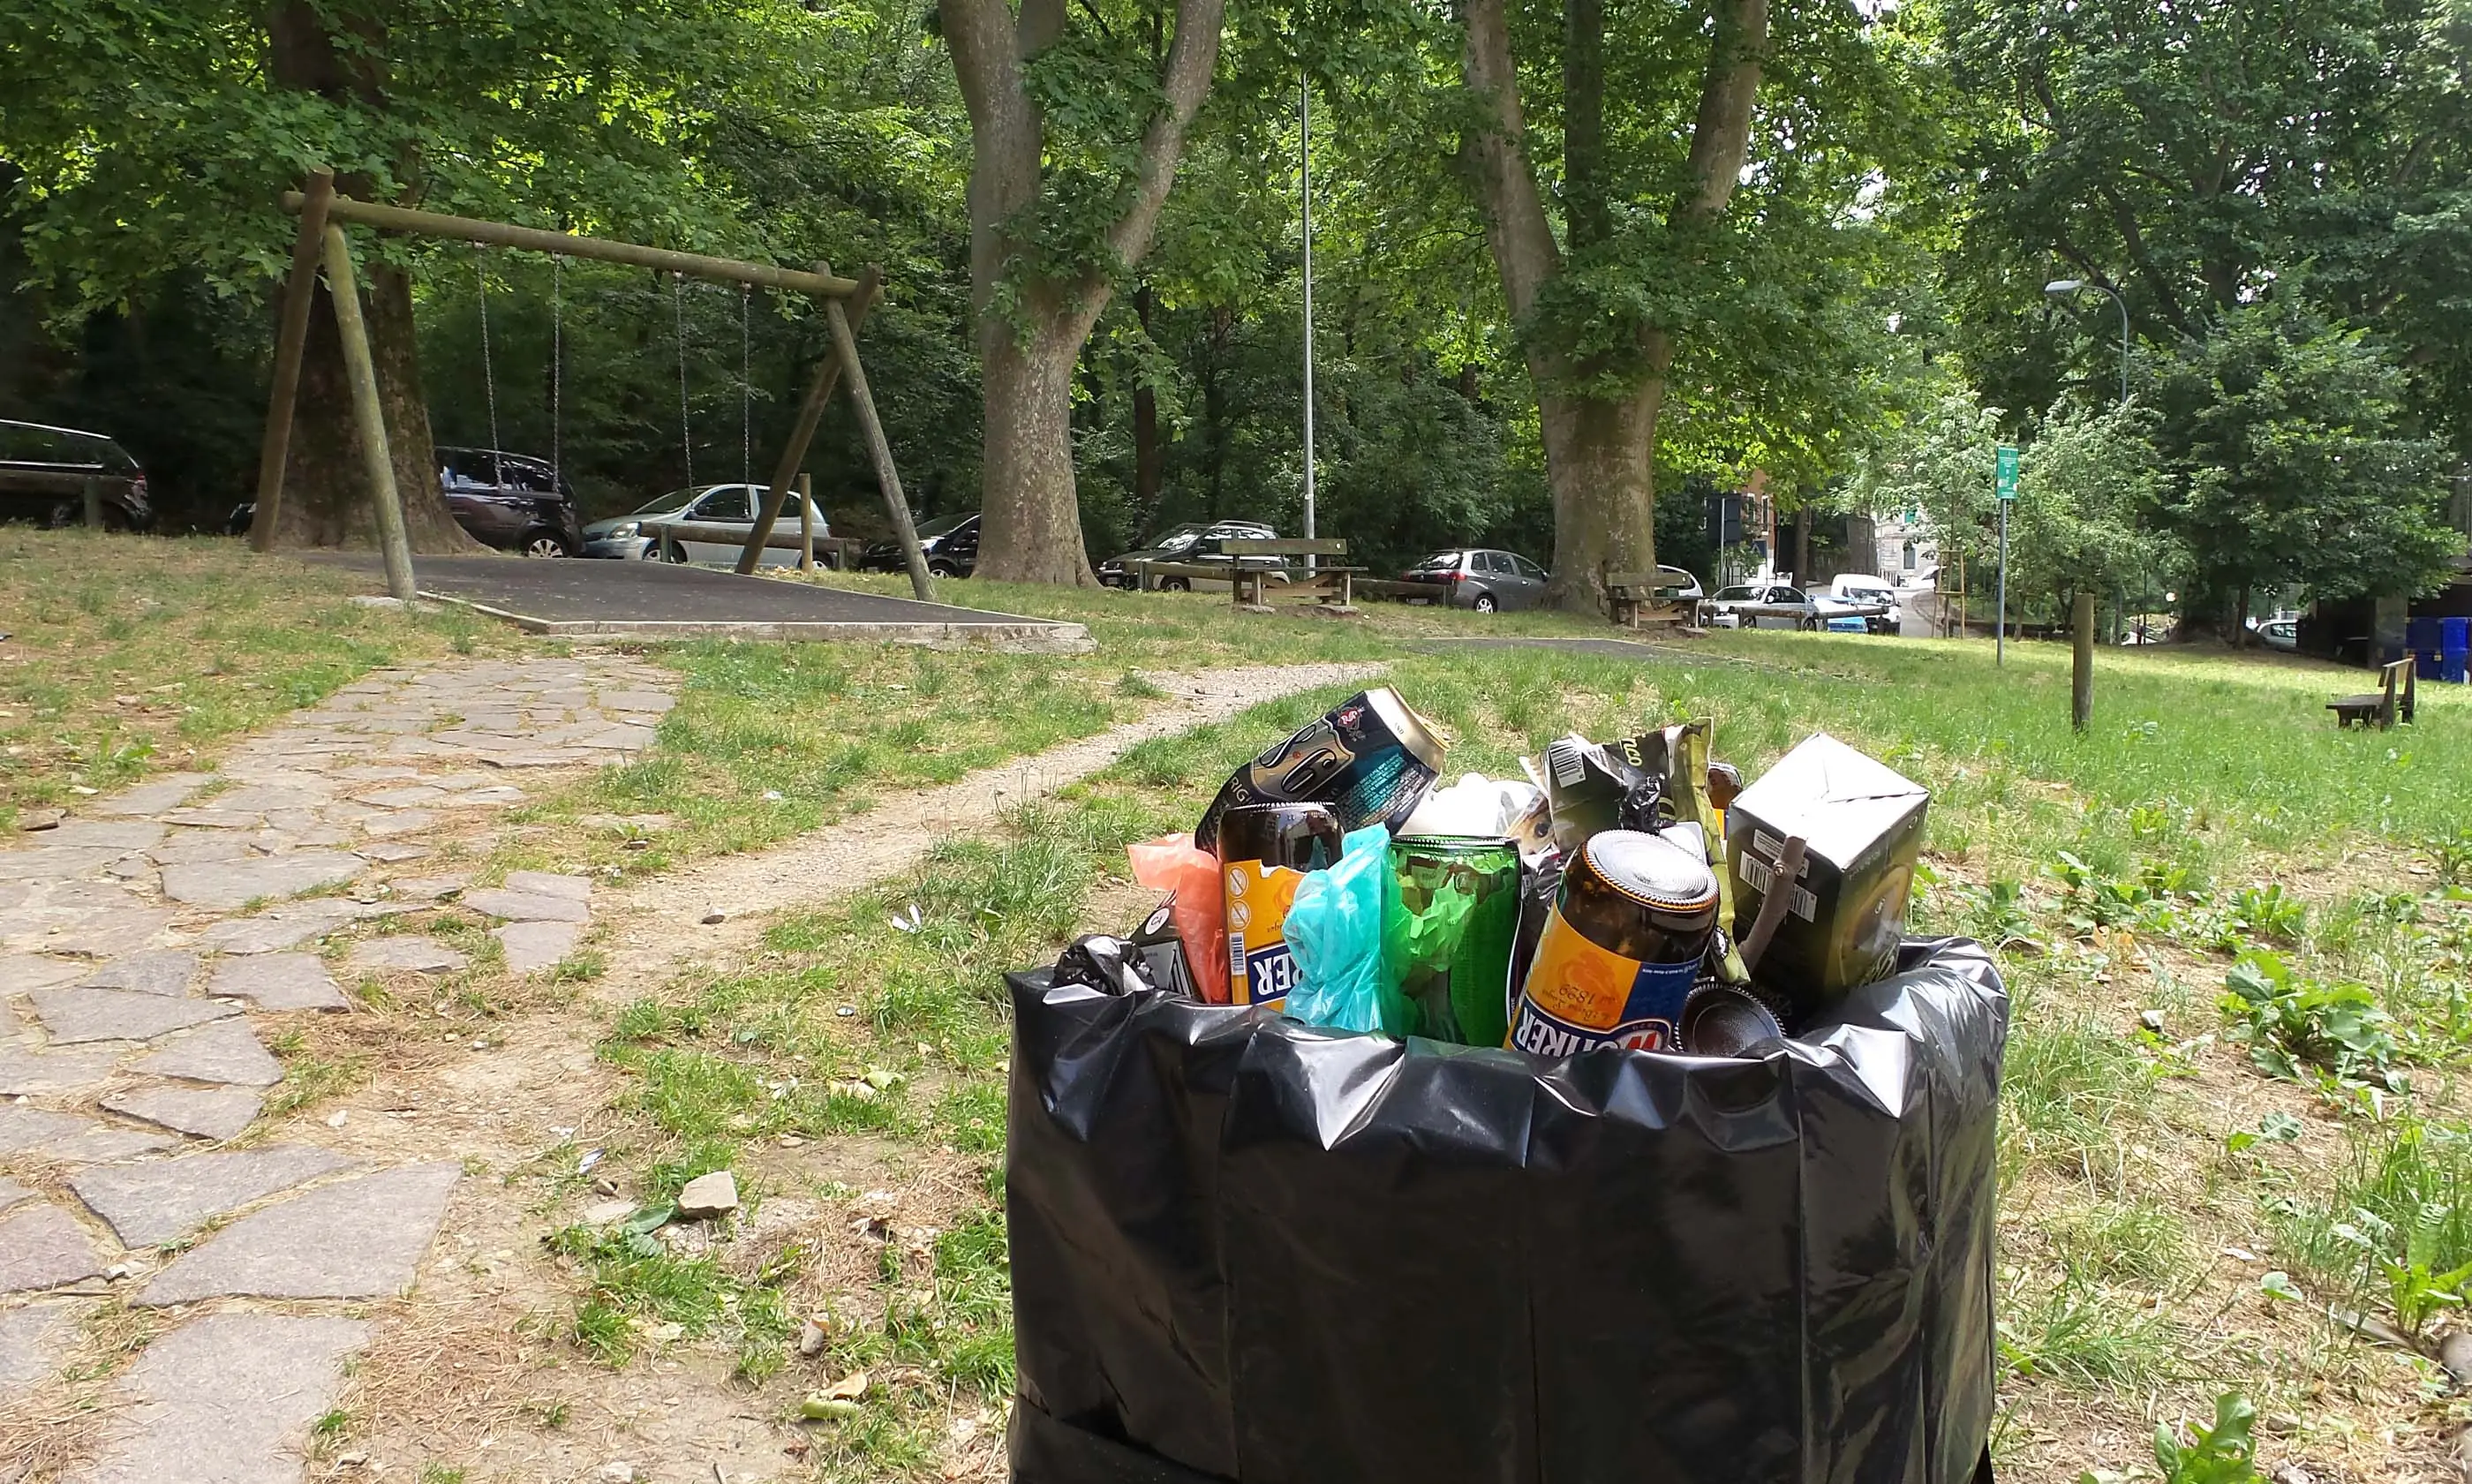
{"x": 1579, "y": 995}
{"x": 1260, "y": 968}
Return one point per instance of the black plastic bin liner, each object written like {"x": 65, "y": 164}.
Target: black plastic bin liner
{"x": 1248, "y": 1250}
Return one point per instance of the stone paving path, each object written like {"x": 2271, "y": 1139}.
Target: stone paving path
{"x": 147, "y": 946}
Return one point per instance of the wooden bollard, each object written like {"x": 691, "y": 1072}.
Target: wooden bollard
{"x": 2082, "y": 664}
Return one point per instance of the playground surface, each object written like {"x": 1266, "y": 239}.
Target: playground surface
{"x": 658, "y": 600}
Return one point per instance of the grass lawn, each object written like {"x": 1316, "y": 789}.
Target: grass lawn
{"x": 2233, "y": 1134}
{"x": 127, "y": 656}
{"x": 2188, "y": 1211}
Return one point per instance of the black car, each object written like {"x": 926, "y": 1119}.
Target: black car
{"x": 950, "y": 543}
{"x": 1199, "y": 543}
{"x": 514, "y": 502}
{"x": 44, "y": 470}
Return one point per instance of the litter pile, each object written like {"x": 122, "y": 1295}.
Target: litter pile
{"x": 1597, "y": 1124}
{"x": 1623, "y": 894}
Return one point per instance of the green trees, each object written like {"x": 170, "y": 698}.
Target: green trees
{"x": 1567, "y": 252}
{"x": 1671, "y": 197}
{"x": 156, "y": 134}
{"x": 2286, "y": 436}
{"x": 2089, "y": 490}
{"x": 2279, "y": 191}
{"x": 1074, "y": 134}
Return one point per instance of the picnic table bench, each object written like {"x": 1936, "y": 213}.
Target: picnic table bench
{"x": 1634, "y": 597}
{"x": 1255, "y": 562}
{"x": 2382, "y": 706}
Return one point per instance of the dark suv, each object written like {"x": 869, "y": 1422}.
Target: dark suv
{"x": 950, "y": 543}
{"x": 43, "y": 474}
{"x": 513, "y": 501}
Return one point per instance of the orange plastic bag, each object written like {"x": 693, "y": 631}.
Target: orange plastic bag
{"x": 1173, "y": 864}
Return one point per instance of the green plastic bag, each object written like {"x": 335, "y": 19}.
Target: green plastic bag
{"x": 1335, "y": 932}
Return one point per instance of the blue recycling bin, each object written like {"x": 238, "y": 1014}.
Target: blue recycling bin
{"x": 2454, "y": 649}
{"x": 2420, "y": 640}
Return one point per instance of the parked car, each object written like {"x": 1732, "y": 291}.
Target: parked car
{"x": 950, "y": 543}
{"x": 43, "y": 472}
{"x": 1487, "y": 582}
{"x": 514, "y": 502}
{"x": 638, "y": 536}
{"x": 1199, "y": 544}
{"x": 1679, "y": 585}
{"x": 2280, "y": 634}
{"x": 1872, "y": 600}
{"x": 1763, "y": 606}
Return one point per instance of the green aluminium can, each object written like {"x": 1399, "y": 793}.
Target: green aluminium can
{"x": 1447, "y": 931}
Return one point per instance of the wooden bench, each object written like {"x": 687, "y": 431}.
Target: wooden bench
{"x": 2384, "y": 705}
{"x": 1333, "y": 589}
{"x": 1401, "y": 592}
{"x": 1632, "y": 597}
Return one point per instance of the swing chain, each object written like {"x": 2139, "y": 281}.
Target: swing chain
{"x": 557, "y": 373}
{"x": 488, "y": 370}
{"x": 745, "y": 397}
{"x": 679, "y": 314}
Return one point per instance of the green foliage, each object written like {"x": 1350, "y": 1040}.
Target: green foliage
{"x": 2087, "y": 489}
{"x": 1937, "y": 460}
{"x": 2290, "y": 1020}
{"x": 2223, "y": 1453}
{"x": 2293, "y": 462}
{"x": 2397, "y": 1224}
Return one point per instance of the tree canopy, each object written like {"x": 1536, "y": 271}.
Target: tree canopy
{"x": 1576, "y": 265}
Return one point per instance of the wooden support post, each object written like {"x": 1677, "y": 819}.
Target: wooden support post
{"x": 93, "y": 491}
{"x": 290, "y": 338}
{"x": 806, "y": 523}
{"x": 887, "y": 478}
{"x": 2081, "y": 665}
{"x": 368, "y": 415}
{"x": 811, "y": 412}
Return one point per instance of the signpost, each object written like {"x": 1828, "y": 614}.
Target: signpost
{"x": 2007, "y": 492}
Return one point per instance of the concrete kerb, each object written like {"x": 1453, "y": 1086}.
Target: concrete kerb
{"x": 1023, "y": 636}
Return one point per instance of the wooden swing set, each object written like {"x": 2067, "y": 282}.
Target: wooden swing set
{"x": 322, "y": 243}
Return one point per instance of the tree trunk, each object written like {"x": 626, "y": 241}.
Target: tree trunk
{"x": 1146, "y": 439}
{"x": 1597, "y": 466}
{"x": 1802, "y": 546}
{"x": 1600, "y": 451}
{"x": 326, "y": 498}
{"x": 1031, "y": 522}
{"x": 1032, "y": 531}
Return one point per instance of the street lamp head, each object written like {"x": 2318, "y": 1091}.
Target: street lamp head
{"x": 2064, "y": 286}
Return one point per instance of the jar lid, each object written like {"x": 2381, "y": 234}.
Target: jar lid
{"x": 1651, "y": 870}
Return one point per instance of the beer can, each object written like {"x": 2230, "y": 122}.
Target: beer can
{"x": 1369, "y": 758}
{"x": 1621, "y": 950}
{"x": 1266, "y": 850}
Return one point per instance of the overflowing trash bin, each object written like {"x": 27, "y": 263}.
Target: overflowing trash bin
{"x": 1506, "y": 1158}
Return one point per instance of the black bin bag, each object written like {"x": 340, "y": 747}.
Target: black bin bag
{"x": 1248, "y": 1250}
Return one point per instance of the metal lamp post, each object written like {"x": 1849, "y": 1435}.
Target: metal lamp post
{"x": 2067, "y": 286}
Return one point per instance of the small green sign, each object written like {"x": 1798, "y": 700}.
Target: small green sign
{"x": 2007, "y": 471}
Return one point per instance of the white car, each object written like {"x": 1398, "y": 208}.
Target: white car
{"x": 1676, "y": 585}
{"x": 725, "y": 509}
{"x": 1866, "y": 593}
